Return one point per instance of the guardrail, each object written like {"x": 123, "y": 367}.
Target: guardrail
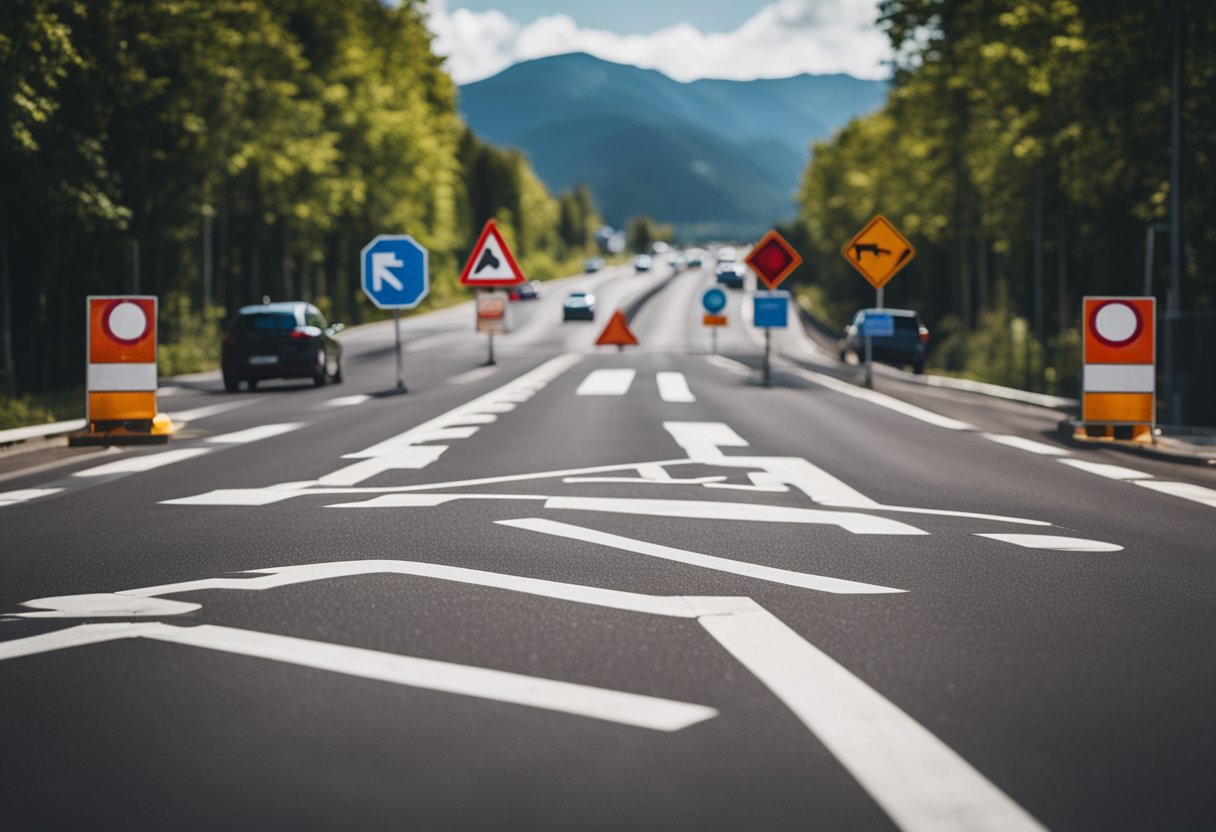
{"x": 14, "y": 436}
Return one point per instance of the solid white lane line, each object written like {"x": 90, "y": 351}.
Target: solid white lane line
{"x": 23, "y": 495}
{"x": 241, "y": 437}
{"x": 182, "y": 417}
{"x": 1029, "y": 445}
{"x": 1059, "y": 544}
{"x": 919, "y": 781}
{"x": 673, "y": 387}
{"x": 476, "y": 374}
{"x": 751, "y": 512}
{"x": 606, "y": 383}
{"x": 347, "y": 401}
{"x": 729, "y": 364}
{"x": 1185, "y": 490}
{"x": 1102, "y": 469}
{"x": 147, "y": 462}
{"x": 428, "y": 674}
{"x": 736, "y": 567}
{"x": 883, "y": 400}
{"x": 939, "y": 512}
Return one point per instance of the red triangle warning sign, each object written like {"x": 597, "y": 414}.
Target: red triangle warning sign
{"x": 491, "y": 263}
{"x": 617, "y": 332}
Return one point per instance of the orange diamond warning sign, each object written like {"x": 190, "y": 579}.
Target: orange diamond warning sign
{"x": 878, "y": 251}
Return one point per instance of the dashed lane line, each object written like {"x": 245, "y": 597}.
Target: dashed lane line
{"x": 615, "y": 382}
{"x": 1028, "y": 445}
{"x": 673, "y": 387}
{"x": 1102, "y": 469}
{"x": 346, "y": 401}
{"x": 1185, "y": 490}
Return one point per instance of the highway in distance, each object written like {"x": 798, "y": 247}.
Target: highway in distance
{"x": 600, "y": 590}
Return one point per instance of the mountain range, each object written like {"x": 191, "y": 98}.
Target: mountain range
{"x": 715, "y": 158}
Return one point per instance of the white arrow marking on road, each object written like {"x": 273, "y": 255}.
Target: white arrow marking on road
{"x": 737, "y": 567}
{"x": 382, "y": 261}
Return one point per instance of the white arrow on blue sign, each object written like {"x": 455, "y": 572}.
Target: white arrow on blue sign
{"x": 394, "y": 271}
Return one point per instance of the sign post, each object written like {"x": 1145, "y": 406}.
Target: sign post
{"x": 713, "y": 300}
{"x": 491, "y": 266}
{"x": 394, "y": 274}
{"x": 772, "y": 259}
{"x": 878, "y": 252}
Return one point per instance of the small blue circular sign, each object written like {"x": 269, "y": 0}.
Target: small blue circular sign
{"x": 714, "y": 300}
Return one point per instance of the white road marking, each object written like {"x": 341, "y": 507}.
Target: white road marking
{"x": 736, "y": 567}
{"x": 1114, "y": 472}
{"x": 182, "y": 417}
{"x": 729, "y": 364}
{"x": 242, "y": 437}
{"x": 347, "y": 401}
{"x": 673, "y": 387}
{"x": 751, "y": 512}
{"x": 24, "y": 495}
{"x": 403, "y": 451}
{"x": 938, "y": 512}
{"x": 883, "y": 400}
{"x": 170, "y": 390}
{"x": 703, "y": 441}
{"x": 476, "y": 374}
{"x": 919, "y": 781}
{"x": 607, "y": 383}
{"x": 428, "y": 674}
{"x": 1030, "y": 445}
{"x": 146, "y": 462}
{"x": 1060, "y": 544}
{"x": 1185, "y": 490}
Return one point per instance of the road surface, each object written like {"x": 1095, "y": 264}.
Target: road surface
{"x": 587, "y": 589}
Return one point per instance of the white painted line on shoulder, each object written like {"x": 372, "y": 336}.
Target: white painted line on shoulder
{"x": 1102, "y": 469}
{"x": 751, "y": 512}
{"x": 170, "y": 390}
{"x": 938, "y": 512}
{"x": 24, "y": 495}
{"x": 1185, "y": 490}
{"x": 347, "y": 401}
{"x": 1054, "y": 542}
{"x": 146, "y": 462}
{"x": 729, "y": 364}
{"x": 916, "y": 778}
{"x": 883, "y": 400}
{"x": 476, "y": 374}
{"x": 182, "y": 417}
{"x": 1029, "y": 445}
{"x": 673, "y": 387}
{"x": 242, "y": 437}
{"x": 607, "y": 383}
{"x": 736, "y": 567}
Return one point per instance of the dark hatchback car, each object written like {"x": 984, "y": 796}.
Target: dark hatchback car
{"x": 280, "y": 340}
{"x": 906, "y": 345}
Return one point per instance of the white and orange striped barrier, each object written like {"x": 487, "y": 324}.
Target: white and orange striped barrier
{"x": 121, "y": 373}
{"x": 1119, "y": 376}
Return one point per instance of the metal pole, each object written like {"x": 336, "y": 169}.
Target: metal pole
{"x": 1172, "y": 300}
{"x": 870, "y": 344}
{"x": 206, "y": 259}
{"x": 768, "y": 372}
{"x": 1150, "y": 241}
{"x": 397, "y": 335}
{"x": 713, "y": 339}
{"x": 490, "y": 359}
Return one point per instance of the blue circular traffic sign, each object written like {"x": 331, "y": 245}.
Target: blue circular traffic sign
{"x": 394, "y": 271}
{"x": 714, "y": 300}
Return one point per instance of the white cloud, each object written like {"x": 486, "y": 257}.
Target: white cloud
{"x": 785, "y": 38}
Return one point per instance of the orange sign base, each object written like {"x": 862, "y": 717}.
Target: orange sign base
{"x": 713, "y": 320}
{"x": 617, "y": 333}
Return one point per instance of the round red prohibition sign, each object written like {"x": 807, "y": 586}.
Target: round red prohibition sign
{"x": 1116, "y": 324}
{"x": 125, "y": 322}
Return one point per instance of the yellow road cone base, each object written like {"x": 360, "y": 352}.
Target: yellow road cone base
{"x": 157, "y": 432}
{"x": 1121, "y": 434}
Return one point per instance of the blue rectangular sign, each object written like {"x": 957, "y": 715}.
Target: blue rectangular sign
{"x": 771, "y": 309}
{"x": 878, "y": 326}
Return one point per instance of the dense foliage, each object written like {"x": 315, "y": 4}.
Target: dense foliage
{"x": 1024, "y": 148}
{"x": 215, "y": 151}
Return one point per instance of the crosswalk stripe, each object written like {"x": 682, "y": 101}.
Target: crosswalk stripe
{"x": 607, "y": 383}
{"x": 673, "y": 387}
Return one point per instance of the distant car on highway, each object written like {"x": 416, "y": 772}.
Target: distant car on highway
{"x": 643, "y": 263}
{"x": 727, "y": 254}
{"x": 906, "y": 345}
{"x": 694, "y": 260}
{"x": 526, "y": 291}
{"x": 730, "y": 274}
{"x": 593, "y": 264}
{"x": 579, "y": 306}
{"x": 290, "y": 339}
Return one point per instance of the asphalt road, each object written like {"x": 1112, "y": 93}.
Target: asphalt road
{"x": 586, "y": 589}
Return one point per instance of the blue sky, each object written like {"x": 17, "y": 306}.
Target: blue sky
{"x": 687, "y": 40}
